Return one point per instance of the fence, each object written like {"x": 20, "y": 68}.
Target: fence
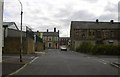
{"x": 29, "y": 33}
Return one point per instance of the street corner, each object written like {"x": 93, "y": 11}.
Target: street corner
{"x": 115, "y": 64}
{"x": 10, "y": 67}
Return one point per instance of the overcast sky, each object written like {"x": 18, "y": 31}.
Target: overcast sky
{"x": 47, "y": 14}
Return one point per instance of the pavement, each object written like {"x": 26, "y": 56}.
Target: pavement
{"x": 56, "y": 62}
{"x": 10, "y": 63}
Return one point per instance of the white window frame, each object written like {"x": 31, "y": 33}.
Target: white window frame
{"x": 49, "y": 38}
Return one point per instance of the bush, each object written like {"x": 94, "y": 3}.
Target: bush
{"x": 87, "y": 47}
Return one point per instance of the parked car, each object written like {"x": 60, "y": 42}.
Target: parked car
{"x": 63, "y": 48}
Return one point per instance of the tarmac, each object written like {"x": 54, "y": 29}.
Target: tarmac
{"x": 11, "y": 63}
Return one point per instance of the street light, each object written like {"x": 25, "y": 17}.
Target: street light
{"x": 21, "y": 46}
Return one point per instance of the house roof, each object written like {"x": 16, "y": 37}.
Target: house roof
{"x": 64, "y": 37}
{"x": 48, "y": 33}
{"x": 94, "y": 25}
{"x": 8, "y": 24}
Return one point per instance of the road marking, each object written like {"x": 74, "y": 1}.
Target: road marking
{"x": 33, "y": 60}
{"x": 21, "y": 68}
{"x": 115, "y": 65}
{"x": 102, "y": 61}
{"x": 88, "y": 57}
{"x": 17, "y": 70}
{"x": 31, "y": 57}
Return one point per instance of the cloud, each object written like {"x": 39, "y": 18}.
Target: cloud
{"x": 82, "y": 15}
{"x": 110, "y": 12}
{"x": 108, "y": 17}
{"x": 91, "y": 1}
{"x": 47, "y": 14}
{"x": 110, "y": 7}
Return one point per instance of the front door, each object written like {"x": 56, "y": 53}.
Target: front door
{"x": 49, "y": 45}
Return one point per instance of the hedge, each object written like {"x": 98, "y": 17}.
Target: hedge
{"x": 88, "y": 47}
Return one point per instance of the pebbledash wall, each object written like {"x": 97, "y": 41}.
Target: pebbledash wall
{"x": 12, "y": 43}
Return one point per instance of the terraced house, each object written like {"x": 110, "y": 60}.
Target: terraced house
{"x": 95, "y": 32}
{"x": 50, "y": 39}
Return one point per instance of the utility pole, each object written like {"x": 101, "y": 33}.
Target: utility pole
{"x": 21, "y": 42}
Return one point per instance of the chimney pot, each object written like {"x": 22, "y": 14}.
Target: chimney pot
{"x": 97, "y": 20}
{"x": 54, "y": 29}
{"x": 111, "y": 21}
{"x": 47, "y": 30}
{"x": 37, "y": 31}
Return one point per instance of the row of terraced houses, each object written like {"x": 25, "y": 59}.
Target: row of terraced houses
{"x": 94, "y": 32}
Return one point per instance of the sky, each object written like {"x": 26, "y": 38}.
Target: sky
{"x": 41, "y": 15}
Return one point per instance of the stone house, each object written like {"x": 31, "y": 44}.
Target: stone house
{"x": 50, "y": 39}
{"x": 95, "y": 32}
{"x": 64, "y": 40}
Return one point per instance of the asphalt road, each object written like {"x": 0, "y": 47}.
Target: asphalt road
{"x": 56, "y": 62}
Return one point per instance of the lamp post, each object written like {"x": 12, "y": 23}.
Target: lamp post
{"x": 21, "y": 46}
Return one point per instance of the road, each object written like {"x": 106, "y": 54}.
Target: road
{"x": 56, "y": 62}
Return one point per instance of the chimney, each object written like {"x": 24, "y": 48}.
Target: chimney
{"x": 54, "y": 29}
{"x": 97, "y": 20}
{"x": 58, "y": 31}
{"x": 37, "y": 31}
{"x": 47, "y": 30}
{"x": 112, "y": 21}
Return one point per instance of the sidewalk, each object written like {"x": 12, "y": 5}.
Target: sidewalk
{"x": 10, "y": 63}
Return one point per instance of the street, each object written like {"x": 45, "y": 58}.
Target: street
{"x": 56, "y": 62}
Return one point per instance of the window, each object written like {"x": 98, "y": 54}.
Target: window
{"x": 44, "y": 38}
{"x": 112, "y": 34}
{"x": 89, "y": 33}
{"x": 56, "y": 38}
{"x": 49, "y": 38}
{"x": 93, "y": 33}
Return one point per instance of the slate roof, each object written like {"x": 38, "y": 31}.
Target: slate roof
{"x": 94, "y": 25}
{"x": 7, "y": 24}
{"x": 47, "y": 33}
{"x": 50, "y": 34}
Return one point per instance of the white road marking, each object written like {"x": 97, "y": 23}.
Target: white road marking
{"x": 31, "y": 57}
{"x": 33, "y": 60}
{"x": 17, "y": 70}
{"x": 102, "y": 61}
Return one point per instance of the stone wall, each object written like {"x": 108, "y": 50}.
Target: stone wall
{"x": 12, "y": 45}
{"x": 30, "y": 46}
{"x": 39, "y": 46}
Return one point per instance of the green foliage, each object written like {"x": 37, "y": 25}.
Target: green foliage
{"x": 87, "y": 47}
